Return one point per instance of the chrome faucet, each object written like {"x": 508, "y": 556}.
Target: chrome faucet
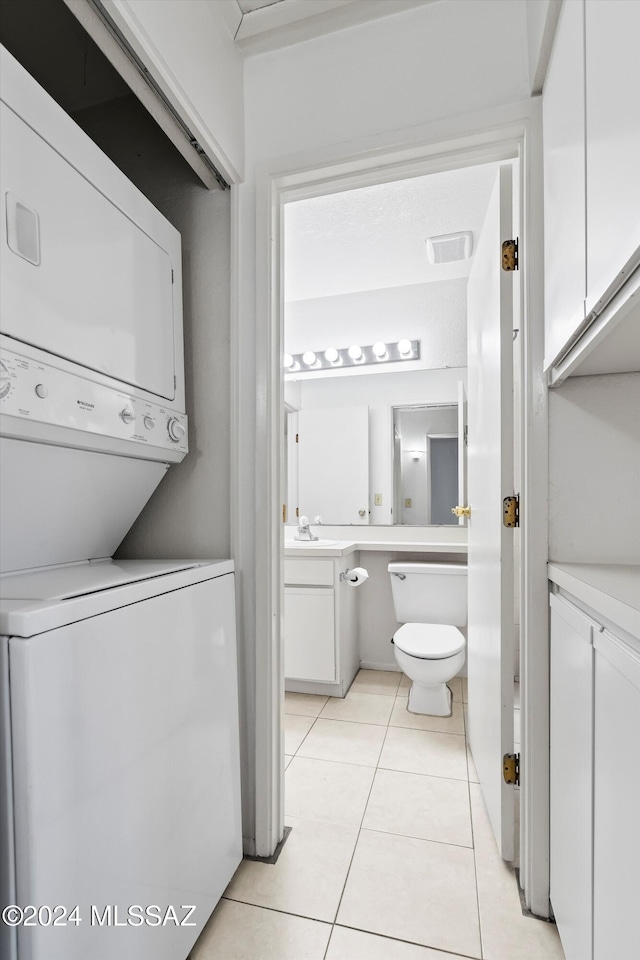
{"x": 303, "y": 530}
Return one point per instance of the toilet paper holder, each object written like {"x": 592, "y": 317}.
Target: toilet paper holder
{"x": 360, "y": 575}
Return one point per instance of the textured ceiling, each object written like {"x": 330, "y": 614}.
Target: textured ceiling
{"x": 374, "y": 237}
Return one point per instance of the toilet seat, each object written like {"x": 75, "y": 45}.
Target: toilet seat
{"x": 429, "y": 641}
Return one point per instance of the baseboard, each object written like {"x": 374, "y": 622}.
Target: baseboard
{"x": 374, "y": 665}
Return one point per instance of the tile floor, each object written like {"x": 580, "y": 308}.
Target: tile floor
{"x": 391, "y": 855}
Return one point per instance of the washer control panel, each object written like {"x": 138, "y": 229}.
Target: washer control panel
{"x": 37, "y": 391}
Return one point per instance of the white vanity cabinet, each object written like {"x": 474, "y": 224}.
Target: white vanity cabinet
{"x": 320, "y": 625}
{"x": 594, "y": 762}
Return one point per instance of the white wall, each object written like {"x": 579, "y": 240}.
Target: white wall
{"x": 434, "y": 313}
{"x": 416, "y": 78}
{"x": 188, "y": 516}
{"x": 428, "y": 63}
{"x": 380, "y": 392}
{"x": 187, "y": 45}
{"x": 594, "y": 470}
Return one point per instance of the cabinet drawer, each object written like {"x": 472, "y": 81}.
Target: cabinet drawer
{"x": 308, "y": 572}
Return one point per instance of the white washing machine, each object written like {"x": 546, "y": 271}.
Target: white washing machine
{"x": 119, "y": 749}
{"x": 119, "y": 745}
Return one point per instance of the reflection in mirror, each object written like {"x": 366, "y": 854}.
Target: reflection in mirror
{"x": 425, "y": 464}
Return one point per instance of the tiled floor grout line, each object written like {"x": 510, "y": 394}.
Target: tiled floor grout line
{"x": 377, "y": 767}
{"x": 355, "y": 846}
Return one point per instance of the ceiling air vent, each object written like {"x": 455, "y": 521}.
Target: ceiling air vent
{"x": 450, "y": 247}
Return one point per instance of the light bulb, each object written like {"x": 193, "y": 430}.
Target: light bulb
{"x": 288, "y": 361}
{"x": 331, "y": 355}
{"x": 355, "y": 351}
{"x": 309, "y": 358}
{"x": 380, "y": 349}
{"x": 404, "y": 347}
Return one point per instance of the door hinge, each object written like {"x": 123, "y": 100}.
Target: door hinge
{"x": 511, "y": 768}
{"x": 297, "y": 511}
{"x": 172, "y": 280}
{"x": 284, "y": 513}
{"x": 297, "y": 438}
{"x": 510, "y": 254}
{"x": 511, "y": 511}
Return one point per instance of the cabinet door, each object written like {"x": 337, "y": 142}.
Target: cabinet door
{"x": 309, "y": 634}
{"x": 564, "y": 183}
{"x": 571, "y": 770}
{"x": 616, "y": 893}
{"x": 613, "y": 142}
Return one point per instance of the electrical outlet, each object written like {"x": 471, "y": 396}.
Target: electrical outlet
{"x": 378, "y": 499}
{"x": 407, "y": 502}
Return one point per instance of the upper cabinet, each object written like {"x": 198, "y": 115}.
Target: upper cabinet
{"x": 592, "y": 190}
{"x": 612, "y": 35}
{"x": 564, "y": 183}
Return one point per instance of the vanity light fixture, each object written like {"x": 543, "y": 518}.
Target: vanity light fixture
{"x": 416, "y": 454}
{"x": 354, "y": 356}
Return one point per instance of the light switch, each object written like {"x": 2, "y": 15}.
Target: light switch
{"x": 378, "y": 499}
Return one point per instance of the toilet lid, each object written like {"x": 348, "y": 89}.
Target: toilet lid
{"x": 429, "y": 641}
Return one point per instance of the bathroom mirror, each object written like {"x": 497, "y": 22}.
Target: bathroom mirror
{"x": 381, "y": 463}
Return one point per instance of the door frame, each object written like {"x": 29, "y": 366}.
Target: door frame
{"x": 505, "y": 133}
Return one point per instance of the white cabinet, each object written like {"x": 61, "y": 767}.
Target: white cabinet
{"x": 594, "y": 782}
{"x": 320, "y": 625}
{"x": 592, "y": 188}
{"x": 564, "y": 183}
{"x": 616, "y": 823}
{"x": 571, "y": 775}
{"x": 612, "y": 36}
{"x": 309, "y": 633}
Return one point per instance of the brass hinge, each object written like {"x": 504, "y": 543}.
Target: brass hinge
{"x": 284, "y": 513}
{"x": 511, "y": 511}
{"x": 297, "y": 438}
{"x": 511, "y": 768}
{"x": 510, "y": 254}
{"x": 297, "y": 511}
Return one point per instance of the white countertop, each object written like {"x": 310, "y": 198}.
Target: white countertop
{"x": 608, "y": 588}
{"x": 339, "y": 548}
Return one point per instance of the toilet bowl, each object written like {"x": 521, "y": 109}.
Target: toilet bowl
{"x": 430, "y": 600}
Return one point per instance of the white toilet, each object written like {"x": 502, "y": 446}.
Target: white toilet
{"x": 430, "y": 600}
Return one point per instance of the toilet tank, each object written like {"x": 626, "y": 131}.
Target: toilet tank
{"x": 429, "y": 592}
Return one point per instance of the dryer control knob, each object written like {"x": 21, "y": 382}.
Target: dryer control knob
{"x": 5, "y": 381}
{"x": 149, "y": 422}
{"x": 127, "y": 415}
{"x": 175, "y": 429}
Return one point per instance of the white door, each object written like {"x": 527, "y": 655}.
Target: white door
{"x": 490, "y": 478}
{"x": 333, "y": 464}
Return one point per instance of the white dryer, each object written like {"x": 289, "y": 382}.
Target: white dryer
{"x": 119, "y": 755}
{"x": 119, "y": 742}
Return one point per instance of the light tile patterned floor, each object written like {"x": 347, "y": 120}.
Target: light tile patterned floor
{"x": 391, "y": 855}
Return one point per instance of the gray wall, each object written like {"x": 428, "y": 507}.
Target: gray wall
{"x": 188, "y": 516}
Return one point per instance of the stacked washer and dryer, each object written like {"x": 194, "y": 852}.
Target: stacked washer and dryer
{"x": 119, "y": 757}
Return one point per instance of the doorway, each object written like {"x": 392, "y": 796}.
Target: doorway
{"x": 330, "y": 268}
